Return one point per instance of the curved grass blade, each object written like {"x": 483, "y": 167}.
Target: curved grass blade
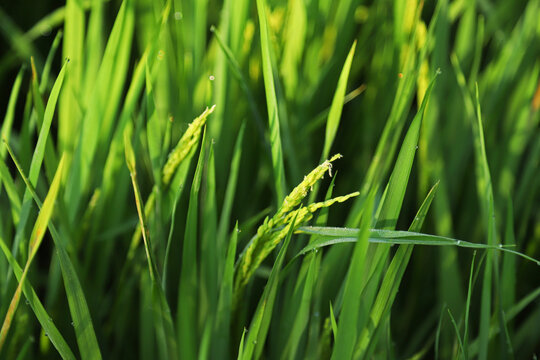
{"x": 334, "y": 116}
{"x": 39, "y": 310}
{"x": 272, "y": 106}
{"x": 10, "y": 112}
{"x": 333, "y": 322}
{"x": 209, "y": 286}
{"x": 11, "y": 191}
{"x": 348, "y": 318}
{"x": 48, "y": 63}
{"x": 485, "y": 192}
{"x": 40, "y": 227}
{"x": 467, "y": 311}
{"x": 388, "y": 213}
{"x": 456, "y": 329}
{"x": 50, "y": 158}
{"x": 332, "y": 236}
{"x": 241, "y": 346}
{"x": 37, "y": 158}
{"x": 225, "y": 215}
{"x": 187, "y": 309}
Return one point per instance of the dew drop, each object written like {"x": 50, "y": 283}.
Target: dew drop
{"x": 72, "y": 323}
{"x": 416, "y": 147}
{"x": 458, "y": 242}
{"x": 500, "y": 246}
{"x": 178, "y": 16}
{"x": 27, "y": 302}
{"x": 211, "y": 78}
{"x": 254, "y": 342}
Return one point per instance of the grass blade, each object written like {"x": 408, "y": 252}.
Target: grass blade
{"x": 467, "y": 311}
{"x": 208, "y": 288}
{"x": 333, "y": 235}
{"x": 40, "y": 227}
{"x": 485, "y": 192}
{"x": 224, "y": 310}
{"x": 272, "y": 106}
{"x": 11, "y": 191}
{"x": 347, "y": 325}
{"x": 37, "y": 158}
{"x": 10, "y": 112}
{"x": 39, "y": 310}
{"x": 334, "y": 116}
{"x": 187, "y": 309}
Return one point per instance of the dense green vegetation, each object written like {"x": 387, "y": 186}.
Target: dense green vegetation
{"x": 294, "y": 179}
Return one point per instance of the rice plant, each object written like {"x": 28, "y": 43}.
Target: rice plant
{"x": 270, "y": 179}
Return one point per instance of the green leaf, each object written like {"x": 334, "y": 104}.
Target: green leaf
{"x": 40, "y": 227}
{"x": 272, "y": 105}
{"x": 334, "y": 116}
{"x": 37, "y": 158}
{"x": 7, "y": 123}
{"x": 232, "y": 183}
{"x": 37, "y": 307}
{"x": 347, "y": 326}
{"x": 224, "y": 310}
{"x": 187, "y": 309}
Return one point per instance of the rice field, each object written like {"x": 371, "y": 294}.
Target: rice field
{"x": 270, "y": 179}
